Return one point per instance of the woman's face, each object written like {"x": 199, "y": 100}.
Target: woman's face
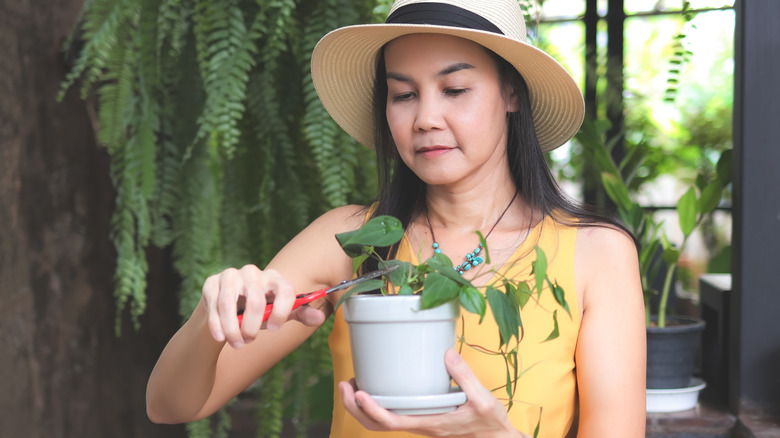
{"x": 446, "y": 108}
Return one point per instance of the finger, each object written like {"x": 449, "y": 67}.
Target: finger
{"x": 284, "y": 297}
{"x": 309, "y": 316}
{"x": 254, "y": 304}
{"x": 210, "y": 292}
{"x": 462, "y": 375}
{"x": 230, "y": 287}
{"x": 351, "y": 405}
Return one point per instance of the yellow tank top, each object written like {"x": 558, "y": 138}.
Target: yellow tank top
{"x": 547, "y": 390}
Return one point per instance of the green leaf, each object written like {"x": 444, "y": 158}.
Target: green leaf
{"x": 560, "y": 297}
{"x": 366, "y": 286}
{"x": 670, "y": 254}
{"x": 357, "y": 261}
{"x": 687, "y": 211}
{"x": 539, "y": 270}
{"x": 438, "y": 290}
{"x": 473, "y": 301}
{"x": 405, "y": 290}
{"x": 616, "y": 190}
{"x": 538, "y": 423}
{"x": 522, "y": 294}
{"x": 400, "y": 277}
{"x": 710, "y": 197}
{"x": 442, "y": 265}
{"x": 378, "y": 231}
{"x": 504, "y": 314}
{"x": 483, "y": 244}
{"x": 554, "y": 333}
{"x": 723, "y": 167}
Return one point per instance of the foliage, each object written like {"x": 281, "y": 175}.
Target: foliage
{"x": 438, "y": 282}
{"x": 220, "y": 149}
{"x": 692, "y": 208}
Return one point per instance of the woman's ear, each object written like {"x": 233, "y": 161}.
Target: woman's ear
{"x": 512, "y": 100}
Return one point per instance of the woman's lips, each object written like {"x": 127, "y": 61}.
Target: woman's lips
{"x": 433, "y": 151}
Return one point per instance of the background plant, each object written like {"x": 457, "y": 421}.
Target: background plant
{"x": 220, "y": 149}
{"x": 693, "y": 208}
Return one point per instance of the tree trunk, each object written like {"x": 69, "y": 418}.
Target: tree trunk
{"x": 63, "y": 373}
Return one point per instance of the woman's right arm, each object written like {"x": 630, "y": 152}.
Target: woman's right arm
{"x": 211, "y": 359}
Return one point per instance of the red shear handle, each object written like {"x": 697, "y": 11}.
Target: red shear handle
{"x": 300, "y": 300}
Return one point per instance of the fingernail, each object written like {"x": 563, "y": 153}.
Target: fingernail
{"x": 454, "y": 357}
{"x": 272, "y": 327}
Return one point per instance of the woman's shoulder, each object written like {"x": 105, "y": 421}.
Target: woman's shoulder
{"x": 606, "y": 261}
{"x": 341, "y": 219}
{"x": 605, "y": 238}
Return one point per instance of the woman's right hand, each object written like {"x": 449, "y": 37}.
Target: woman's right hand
{"x": 255, "y": 288}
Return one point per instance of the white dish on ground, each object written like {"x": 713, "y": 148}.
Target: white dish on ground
{"x": 676, "y": 399}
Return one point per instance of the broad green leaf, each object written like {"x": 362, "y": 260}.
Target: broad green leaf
{"x": 442, "y": 265}
{"x": 522, "y": 293}
{"x": 539, "y": 268}
{"x": 687, "y": 211}
{"x": 438, "y": 290}
{"x": 473, "y": 301}
{"x": 405, "y": 290}
{"x": 554, "y": 333}
{"x": 401, "y": 275}
{"x": 710, "y": 197}
{"x": 670, "y": 253}
{"x": 506, "y": 317}
{"x": 616, "y": 190}
{"x": 378, "y": 231}
{"x": 365, "y": 286}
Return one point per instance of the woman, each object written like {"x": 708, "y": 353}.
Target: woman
{"x": 462, "y": 111}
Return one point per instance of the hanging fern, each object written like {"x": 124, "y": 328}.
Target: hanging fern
{"x": 220, "y": 150}
{"x": 681, "y": 56}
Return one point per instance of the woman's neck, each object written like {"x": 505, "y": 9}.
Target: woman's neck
{"x": 472, "y": 210}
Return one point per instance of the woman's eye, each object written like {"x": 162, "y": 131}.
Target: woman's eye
{"x": 403, "y": 97}
{"x": 455, "y": 91}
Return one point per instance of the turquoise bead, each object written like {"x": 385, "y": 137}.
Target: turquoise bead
{"x": 477, "y": 260}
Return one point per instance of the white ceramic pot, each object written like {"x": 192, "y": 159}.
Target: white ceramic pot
{"x": 398, "y": 349}
{"x": 676, "y": 399}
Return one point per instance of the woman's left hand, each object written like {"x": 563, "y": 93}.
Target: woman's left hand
{"x": 482, "y": 415}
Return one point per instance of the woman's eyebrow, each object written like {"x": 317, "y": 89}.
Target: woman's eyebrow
{"x": 455, "y": 67}
{"x": 449, "y": 70}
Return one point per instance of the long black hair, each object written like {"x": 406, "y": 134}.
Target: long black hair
{"x": 401, "y": 193}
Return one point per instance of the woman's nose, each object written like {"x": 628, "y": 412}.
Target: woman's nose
{"x": 429, "y": 114}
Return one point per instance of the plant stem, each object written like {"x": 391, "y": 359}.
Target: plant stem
{"x": 665, "y": 295}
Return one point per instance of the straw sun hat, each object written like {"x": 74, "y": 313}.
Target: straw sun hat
{"x": 343, "y": 64}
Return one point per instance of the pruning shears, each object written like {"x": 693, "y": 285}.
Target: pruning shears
{"x": 307, "y": 298}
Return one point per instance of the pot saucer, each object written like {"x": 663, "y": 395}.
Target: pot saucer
{"x": 422, "y": 404}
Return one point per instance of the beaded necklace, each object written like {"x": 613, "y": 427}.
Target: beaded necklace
{"x": 473, "y": 258}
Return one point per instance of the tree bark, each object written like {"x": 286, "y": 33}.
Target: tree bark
{"x": 63, "y": 373}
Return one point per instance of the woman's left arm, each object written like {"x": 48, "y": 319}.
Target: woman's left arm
{"x": 611, "y": 347}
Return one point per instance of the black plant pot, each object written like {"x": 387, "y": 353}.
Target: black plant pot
{"x": 671, "y": 352}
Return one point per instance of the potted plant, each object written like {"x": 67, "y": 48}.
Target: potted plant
{"x": 672, "y": 340}
{"x": 428, "y": 298}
